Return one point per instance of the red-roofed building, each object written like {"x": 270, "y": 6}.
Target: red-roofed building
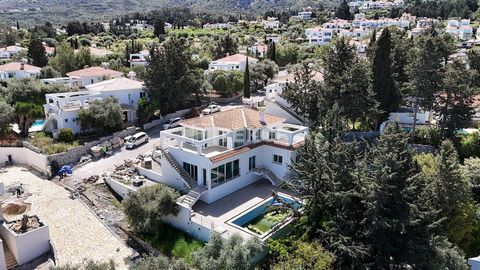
{"x": 91, "y": 75}
{"x": 18, "y": 70}
{"x": 232, "y": 62}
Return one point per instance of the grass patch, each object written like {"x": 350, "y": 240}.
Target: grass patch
{"x": 265, "y": 222}
{"x": 172, "y": 242}
{"x": 50, "y": 146}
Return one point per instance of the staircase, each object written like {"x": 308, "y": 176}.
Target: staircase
{"x": 9, "y": 258}
{"x": 269, "y": 175}
{"x": 191, "y": 183}
{"x": 289, "y": 111}
{"x": 195, "y": 191}
{"x": 192, "y": 196}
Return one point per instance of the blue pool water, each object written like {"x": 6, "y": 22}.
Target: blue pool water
{"x": 262, "y": 209}
{"x": 38, "y": 123}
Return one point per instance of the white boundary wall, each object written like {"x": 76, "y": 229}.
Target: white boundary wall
{"x": 22, "y": 155}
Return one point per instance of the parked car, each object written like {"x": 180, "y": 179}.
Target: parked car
{"x": 171, "y": 123}
{"x": 136, "y": 140}
{"x": 211, "y": 109}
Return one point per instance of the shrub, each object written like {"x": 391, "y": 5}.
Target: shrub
{"x": 65, "y": 135}
{"x": 470, "y": 145}
{"x": 427, "y": 135}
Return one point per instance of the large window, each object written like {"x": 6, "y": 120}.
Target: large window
{"x": 239, "y": 138}
{"x": 251, "y": 163}
{"x": 272, "y": 135}
{"x": 223, "y": 141}
{"x": 194, "y": 134}
{"x": 225, "y": 172}
{"x": 191, "y": 170}
{"x": 277, "y": 159}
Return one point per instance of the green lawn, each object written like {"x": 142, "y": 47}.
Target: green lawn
{"x": 265, "y": 222}
{"x": 173, "y": 243}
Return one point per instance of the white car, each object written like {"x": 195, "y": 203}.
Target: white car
{"x": 211, "y": 109}
{"x": 171, "y": 123}
{"x": 136, "y": 140}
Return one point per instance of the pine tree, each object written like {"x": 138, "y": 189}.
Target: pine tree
{"x": 454, "y": 105}
{"x": 383, "y": 85}
{"x": 159, "y": 28}
{"x": 343, "y": 11}
{"x": 36, "y": 52}
{"x": 246, "y": 81}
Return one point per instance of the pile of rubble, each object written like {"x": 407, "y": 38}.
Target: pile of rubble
{"x": 107, "y": 147}
{"x": 27, "y": 223}
{"x": 126, "y": 173}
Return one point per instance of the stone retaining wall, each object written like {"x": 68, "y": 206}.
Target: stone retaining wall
{"x": 163, "y": 119}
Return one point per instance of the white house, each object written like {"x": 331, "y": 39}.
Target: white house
{"x": 93, "y": 75}
{"x": 219, "y": 152}
{"x": 319, "y": 35}
{"x": 138, "y": 59}
{"x": 61, "y": 109}
{"x": 474, "y": 263}
{"x": 304, "y": 15}
{"x": 232, "y": 62}
{"x": 461, "y": 30}
{"x": 271, "y": 23}
{"x": 10, "y": 51}
{"x": 259, "y": 50}
{"x": 17, "y": 70}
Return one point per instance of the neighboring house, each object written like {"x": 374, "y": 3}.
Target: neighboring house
{"x": 10, "y": 51}
{"x": 232, "y": 62}
{"x": 474, "y": 263}
{"x": 218, "y": 26}
{"x": 93, "y": 75}
{"x": 404, "y": 116}
{"x": 49, "y": 51}
{"x": 138, "y": 59}
{"x": 63, "y": 80}
{"x": 461, "y": 30}
{"x": 271, "y": 23}
{"x": 259, "y": 50}
{"x": 61, "y": 109}
{"x": 273, "y": 38}
{"x": 17, "y": 70}
{"x": 319, "y": 35}
{"x": 303, "y": 15}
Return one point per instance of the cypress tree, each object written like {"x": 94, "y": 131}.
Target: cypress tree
{"x": 246, "y": 81}
{"x": 159, "y": 28}
{"x": 18, "y": 26}
{"x": 383, "y": 85}
{"x": 36, "y": 52}
{"x": 343, "y": 11}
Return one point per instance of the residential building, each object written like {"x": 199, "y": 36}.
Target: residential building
{"x": 319, "y": 35}
{"x": 18, "y": 70}
{"x": 259, "y": 50}
{"x": 61, "y": 109}
{"x": 461, "y": 30}
{"x": 72, "y": 82}
{"x": 218, "y": 25}
{"x": 272, "y": 38}
{"x": 404, "y": 116}
{"x": 304, "y": 15}
{"x": 11, "y": 51}
{"x": 474, "y": 263}
{"x": 232, "y": 62}
{"x": 139, "y": 59}
{"x": 91, "y": 75}
{"x": 271, "y": 23}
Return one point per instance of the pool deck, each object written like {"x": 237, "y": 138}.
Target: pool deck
{"x": 222, "y": 211}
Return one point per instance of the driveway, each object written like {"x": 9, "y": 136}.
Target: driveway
{"x": 75, "y": 231}
{"x": 108, "y": 164}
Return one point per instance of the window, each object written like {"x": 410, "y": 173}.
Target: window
{"x": 143, "y": 95}
{"x": 271, "y": 135}
{"x": 225, "y": 172}
{"x": 239, "y": 138}
{"x": 277, "y": 159}
{"x": 66, "y": 120}
{"x": 191, "y": 170}
{"x": 223, "y": 141}
{"x": 251, "y": 163}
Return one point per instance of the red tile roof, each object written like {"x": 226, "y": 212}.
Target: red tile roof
{"x": 95, "y": 72}
{"x": 15, "y": 66}
{"x": 233, "y": 119}
{"x": 236, "y": 58}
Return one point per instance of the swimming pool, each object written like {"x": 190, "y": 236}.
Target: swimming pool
{"x": 39, "y": 122}
{"x": 260, "y": 221}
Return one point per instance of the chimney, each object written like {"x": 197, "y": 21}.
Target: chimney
{"x": 22, "y": 66}
{"x": 262, "y": 118}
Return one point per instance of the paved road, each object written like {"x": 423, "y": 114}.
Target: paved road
{"x": 108, "y": 164}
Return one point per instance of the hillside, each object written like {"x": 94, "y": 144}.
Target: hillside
{"x": 39, "y": 11}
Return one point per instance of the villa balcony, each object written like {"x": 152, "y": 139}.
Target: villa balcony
{"x": 285, "y": 135}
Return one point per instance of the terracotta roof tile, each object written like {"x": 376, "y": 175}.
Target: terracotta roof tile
{"x": 233, "y": 119}
{"x": 236, "y": 58}
{"x": 95, "y": 71}
{"x": 14, "y": 66}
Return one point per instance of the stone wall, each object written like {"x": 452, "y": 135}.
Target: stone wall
{"x": 163, "y": 119}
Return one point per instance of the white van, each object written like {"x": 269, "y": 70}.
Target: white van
{"x": 136, "y": 140}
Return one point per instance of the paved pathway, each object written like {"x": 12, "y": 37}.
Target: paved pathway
{"x": 75, "y": 231}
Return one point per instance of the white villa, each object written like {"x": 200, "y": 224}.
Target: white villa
{"x": 10, "y": 51}
{"x": 271, "y": 23}
{"x": 319, "y": 35}
{"x": 259, "y": 50}
{"x": 91, "y": 75}
{"x": 225, "y": 163}
{"x": 461, "y": 30}
{"x": 232, "y": 62}
{"x": 61, "y": 109}
{"x": 138, "y": 59}
{"x": 17, "y": 70}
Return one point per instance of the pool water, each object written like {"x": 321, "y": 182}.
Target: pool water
{"x": 38, "y": 123}
{"x": 260, "y": 220}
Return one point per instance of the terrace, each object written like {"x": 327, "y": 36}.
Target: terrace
{"x": 222, "y": 214}
{"x": 66, "y": 102}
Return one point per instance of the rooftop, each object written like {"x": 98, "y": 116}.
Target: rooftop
{"x": 233, "y": 119}
{"x": 17, "y": 66}
{"x": 95, "y": 72}
{"x": 115, "y": 84}
{"x": 236, "y": 58}
{"x": 99, "y": 52}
